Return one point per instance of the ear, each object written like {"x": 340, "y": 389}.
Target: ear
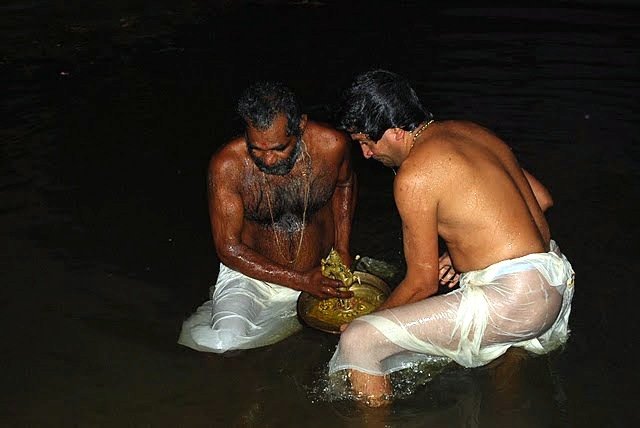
{"x": 303, "y": 122}
{"x": 398, "y": 134}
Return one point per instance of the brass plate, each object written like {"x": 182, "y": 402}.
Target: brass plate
{"x": 328, "y": 315}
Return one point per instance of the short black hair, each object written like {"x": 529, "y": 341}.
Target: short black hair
{"x": 379, "y": 100}
{"x": 261, "y": 102}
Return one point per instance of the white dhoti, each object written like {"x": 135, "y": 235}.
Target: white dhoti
{"x": 521, "y": 302}
{"x": 243, "y": 313}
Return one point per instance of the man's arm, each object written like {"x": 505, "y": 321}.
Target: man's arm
{"x": 343, "y": 202}
{"x": 539, "y": 191}
{"x": 226, "y": 212}
{"x": 417, "y": 206}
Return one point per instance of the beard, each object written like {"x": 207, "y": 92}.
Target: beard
{"x": 282, "y": 167}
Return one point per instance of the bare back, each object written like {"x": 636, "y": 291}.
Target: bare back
{"x": 473, "y": 194}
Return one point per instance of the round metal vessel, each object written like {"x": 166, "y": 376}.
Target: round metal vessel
{"x": 329, "y": 314}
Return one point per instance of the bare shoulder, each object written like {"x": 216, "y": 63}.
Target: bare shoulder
{"x": 430, "y": 163}
{"x": 422, "y": 173}
{"x": 327, "y": 137}
{"x": 472, "y": 132}
{"x": 465, "y": 126}
{"x": 229, "y": 160}
{"x": 433, "y": 153}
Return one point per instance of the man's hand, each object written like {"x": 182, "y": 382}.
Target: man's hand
{"x": 322, "y": 287}
{"x": 447, "y": 274}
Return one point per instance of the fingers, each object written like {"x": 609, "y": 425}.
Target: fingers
{"x": 446, "y": 272}
{"x": 329, "y": 288}
{"x": 454, "y": 281}
{"x": 329, "y": 292}
{"x": 448, "y": 276}
{"x": 323, "y": 287}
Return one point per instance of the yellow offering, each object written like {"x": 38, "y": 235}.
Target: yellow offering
{"x": 334, "y": 268}
{"x": 329, "y": 314}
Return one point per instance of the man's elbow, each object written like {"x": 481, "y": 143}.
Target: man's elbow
{"x": 423, "y": 293}
{"x": 227, "y": 253}
{"x": 546, "y": 202}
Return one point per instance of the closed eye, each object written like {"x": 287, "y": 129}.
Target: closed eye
{"x": 280, "y": 148}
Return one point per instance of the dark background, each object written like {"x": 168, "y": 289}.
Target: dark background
{"x": 111, "y": 110}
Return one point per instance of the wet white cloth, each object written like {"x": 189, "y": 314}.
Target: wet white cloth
{"x": 522, "y": 302}
{"x": 243, "y": 313}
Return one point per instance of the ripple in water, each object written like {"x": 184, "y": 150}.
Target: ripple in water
{"x": 336, "y": 386}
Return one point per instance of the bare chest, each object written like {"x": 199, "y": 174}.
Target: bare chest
{"x": 285, "y": 202}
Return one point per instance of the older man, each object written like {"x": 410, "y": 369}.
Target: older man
{"x": 280, "y": 197}
{"x": 458, "y": 181}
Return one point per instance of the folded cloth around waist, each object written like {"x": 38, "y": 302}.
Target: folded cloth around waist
{"x": 534, "y": 321}
{"x": 519, "y": 302}
{"x": 242, "y": 313}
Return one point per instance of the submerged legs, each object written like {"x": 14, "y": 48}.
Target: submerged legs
{"x": 372, "y": 390}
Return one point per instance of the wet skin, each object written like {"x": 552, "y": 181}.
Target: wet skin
{"x": 260, "y": 188}
{"x": 460, "y": 182}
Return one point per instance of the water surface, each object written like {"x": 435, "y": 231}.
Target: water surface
{"x": 111, "y": 111}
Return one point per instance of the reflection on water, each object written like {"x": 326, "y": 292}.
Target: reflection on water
{"x": 111, "y": 112}
{"x": 406, "y": 382}
{"x": 515, "y": 390}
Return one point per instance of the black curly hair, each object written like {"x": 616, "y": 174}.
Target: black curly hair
{"x": 261, "y": 102}
{"x": 379, "y": 100}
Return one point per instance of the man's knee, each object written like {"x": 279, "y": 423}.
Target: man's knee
{"x": 224, "y": 335}
{"x": 356, "y": 336}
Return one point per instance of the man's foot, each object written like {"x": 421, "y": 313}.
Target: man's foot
{"x": 374, "y": 391}
{"x": 374, "y": 401}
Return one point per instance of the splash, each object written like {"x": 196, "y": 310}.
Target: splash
{"x": 336, "y": 386}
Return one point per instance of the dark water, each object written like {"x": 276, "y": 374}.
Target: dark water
{"x": 111, "y": 111}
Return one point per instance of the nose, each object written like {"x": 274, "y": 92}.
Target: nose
{"x": 270, "y": 159}
{"x": 366, "y": 151}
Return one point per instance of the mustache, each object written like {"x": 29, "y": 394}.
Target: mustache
{"x": 280, "y": 168}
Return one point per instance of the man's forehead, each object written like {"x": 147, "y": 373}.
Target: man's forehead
{"x": 359, "y": 136}
{"x": 268, "y": 141}
{"x": 278, "y": 125}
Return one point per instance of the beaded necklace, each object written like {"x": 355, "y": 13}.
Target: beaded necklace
{"x": 418, "y": 132}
